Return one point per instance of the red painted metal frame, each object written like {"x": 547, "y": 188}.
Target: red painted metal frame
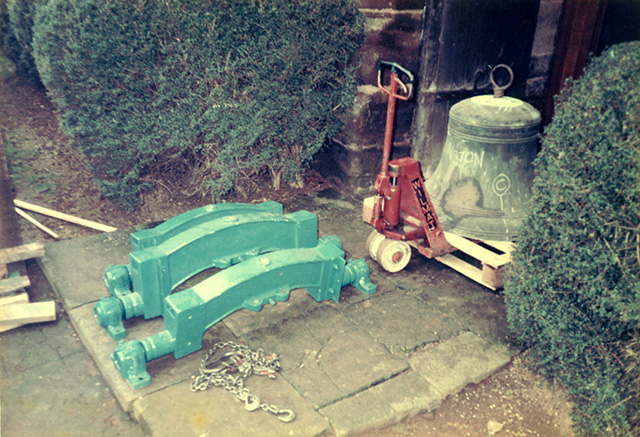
{"x": 403, "y": 210}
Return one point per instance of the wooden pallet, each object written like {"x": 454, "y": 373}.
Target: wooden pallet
{"x": 15, "y": 308}
{"x": 491, "y": 273}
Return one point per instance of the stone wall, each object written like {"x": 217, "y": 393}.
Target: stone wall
{"x": 391, "y": 35}
{"x": 542, "y": 51}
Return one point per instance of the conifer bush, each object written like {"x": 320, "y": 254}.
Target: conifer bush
{"x": 7, "y": 40}
{"x": 573, "y": 289}
{"x": 17, "y": 23}
{"x": 203, "y": 92}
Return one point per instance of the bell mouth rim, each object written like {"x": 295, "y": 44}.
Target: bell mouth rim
{"x": 485, "y": 236}
{"x": 462, "y": 213}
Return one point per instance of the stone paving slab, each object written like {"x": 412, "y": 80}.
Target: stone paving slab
{"x": 481, "y": 313}
{"x": 100, "y": 345}
{"x": 401, "y": 322}
{"x": 49, "y": 383}
{"x": 75, "y": 267}
{"x": 165, "y": 371}
{"x": 48, "y": 406}
{"x": 325, "y": 356}
{"x": 177, "y": 411}
{"x": 461, "y": 360}
{"x": 403, "y": 396}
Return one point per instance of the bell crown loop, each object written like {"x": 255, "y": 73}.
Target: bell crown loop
{"x": 498, "y": 90}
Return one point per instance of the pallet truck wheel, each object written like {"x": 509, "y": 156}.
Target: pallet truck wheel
{"x": 393, "y": 255}
{"x": 374, "y": 240}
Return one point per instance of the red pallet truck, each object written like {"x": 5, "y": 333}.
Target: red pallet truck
{"x": 402, "y": 213}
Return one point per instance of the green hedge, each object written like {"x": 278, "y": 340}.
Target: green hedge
{"x": 197, "y": 92}
{"x": 8, "y": 42}
{"x": 16, "y": 24}
{"x": 573, "y": 289}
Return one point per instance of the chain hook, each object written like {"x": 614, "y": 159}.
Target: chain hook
{"x": 290, "y": 415}
{"x": 245, "y": 362}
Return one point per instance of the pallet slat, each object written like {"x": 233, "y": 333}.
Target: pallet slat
{"x": 14, "y": 298}
{"x": 504, "y": 246}
{"x": 491, "y": 275}
{"x": 24, "y": 313}
{"x": 476, "y": 251}
{"x": 20, "y": 253}
{"x": 12, "y": 284}
{"x": 461, "y": 266}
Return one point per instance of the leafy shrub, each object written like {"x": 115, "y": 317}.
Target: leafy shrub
{"x": 573, "y": 289}
{"x": 278, "y": 107}
{"x": 17, "y": 36}
{"x": 7, "y": 40}
{"x": 217, "y": 90}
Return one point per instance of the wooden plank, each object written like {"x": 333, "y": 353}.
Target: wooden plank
{"x": 504, "y": 259}
{"x": 492, "y": 273}
{"x": 478, "y": 252}
{"x": 14, "y": 298}
{"x": 25, "y": 313}
{"x": 10, "y": 300}
{"x": 19, "y": 253}
{"x": 503, "y": 246}
{"x": 36, "y": 223}
{"x": 12, "y": 284}
{"x": 483, "y": 277}
{"x": 466, "y": 269}
{"x": 63, "y": 216}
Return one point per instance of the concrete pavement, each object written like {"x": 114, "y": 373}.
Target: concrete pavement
{"x": 50, "y": 386}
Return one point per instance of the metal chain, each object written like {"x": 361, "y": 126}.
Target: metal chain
{"x": 245, "y": 362}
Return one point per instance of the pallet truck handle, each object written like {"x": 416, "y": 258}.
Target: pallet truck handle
{"x": 396, "y": 69}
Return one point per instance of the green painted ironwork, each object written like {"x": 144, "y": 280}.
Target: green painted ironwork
{"x": 189, "y": 219}
{"x": 250, "y": 284}
{"x": 190, "y": 245}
